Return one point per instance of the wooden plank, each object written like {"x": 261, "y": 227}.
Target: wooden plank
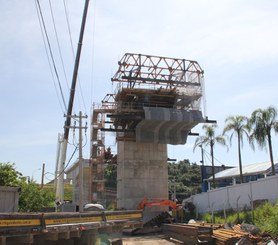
{"x": 203, "y": 229}
{"x": 190, "y": 231}
{"x": 181, "y": 237}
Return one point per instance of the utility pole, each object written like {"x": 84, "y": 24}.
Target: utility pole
{"x": 80, "y": 164}
{"x": 43, "y": 169}
{"x": 203, "y": 185}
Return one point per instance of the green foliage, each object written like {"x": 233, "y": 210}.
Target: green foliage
{"x": 186, "y": 177}
{"x": 8, "y": 175}
{"x": 210, "y": 139}
{"x": 237, "y": 125}
{"x": 110, "y": 175}
{"x": 232, "y": 217}
{"x": 263, "y": 121}
{"x": 33, "y": 199}
{"x": 68, "y": 190}
{"x": 265, "y": 218}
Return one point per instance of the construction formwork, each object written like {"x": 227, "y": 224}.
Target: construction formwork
{"x": 157, "y": 101}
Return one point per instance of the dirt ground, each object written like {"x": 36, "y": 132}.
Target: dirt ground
{"x": 148, "y": 240}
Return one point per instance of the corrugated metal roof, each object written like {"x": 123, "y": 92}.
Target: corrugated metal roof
{"x": 252, "y": 169}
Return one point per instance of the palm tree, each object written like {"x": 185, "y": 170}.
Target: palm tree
{"x": 209, "y": 139}
{"x": 239, "y": 126}
{"x": 262, "y": 122}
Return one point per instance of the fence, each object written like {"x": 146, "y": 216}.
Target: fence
{"x": 237, "y": 197}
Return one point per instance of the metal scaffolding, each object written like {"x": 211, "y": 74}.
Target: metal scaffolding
{"x": 157, "y": 99}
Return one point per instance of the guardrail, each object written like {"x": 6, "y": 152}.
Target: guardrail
{"x": 38, "y": 228}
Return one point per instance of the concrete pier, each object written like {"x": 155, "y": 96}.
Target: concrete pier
{"x": 142, "y": 173}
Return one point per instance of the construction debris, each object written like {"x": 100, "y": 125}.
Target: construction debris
{"x": 189, "y": 234}
{"x": 206, "y": 233}
{"x": 230, "y": 237}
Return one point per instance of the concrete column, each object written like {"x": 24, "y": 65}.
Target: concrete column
{"x": 142, "y": 172}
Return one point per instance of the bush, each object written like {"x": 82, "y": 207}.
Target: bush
{"x": 265, "y": 218}
{"x": 34, "y": 199}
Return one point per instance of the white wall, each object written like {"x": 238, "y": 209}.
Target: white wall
{"x": 240, "y": 195}
{"x": 9, "y": 199}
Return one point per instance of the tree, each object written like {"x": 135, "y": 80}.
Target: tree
{"x": 262, "y": 122}
{"x": 110, "y": 175}
{"x": 8, "y": 174}
{"x": 239, "y": 126}
{"x": 34, "y": 199}
{"x": 184, "y": 179}
{"x": 209, "y": 139}
{"x": 31, "y": 197}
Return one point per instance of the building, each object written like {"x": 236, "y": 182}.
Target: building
{"x": 252, "y": 172}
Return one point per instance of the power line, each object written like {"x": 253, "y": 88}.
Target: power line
{"x": 51, "y": 54}
{"x": 48, "y": 59}
{"x": 58, "y": 43}
{"x": 63, "y": 171}
{"x": 68, "y": 25}
{"x": 208, "y": 154}
{"x": 73, "y": 53}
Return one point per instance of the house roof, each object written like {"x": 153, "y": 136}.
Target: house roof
{"x": 252, "y": 169}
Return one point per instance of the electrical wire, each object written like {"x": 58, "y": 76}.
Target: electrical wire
{"x": 86, "y": 140}
{"x": 208, "y": 154}
{"x": 48, "y": 59}
{"x": 58, "y": 43}
{"x": 63, "y": 171}
{"x": 68, "y": 25}
{"x": 51, "y": 53}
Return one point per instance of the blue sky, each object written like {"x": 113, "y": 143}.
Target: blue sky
{"x": 234, "y": 41}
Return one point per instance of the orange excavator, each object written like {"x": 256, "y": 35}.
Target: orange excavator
{"x": 164, "y": 216}
{"x": 156, "y": 202}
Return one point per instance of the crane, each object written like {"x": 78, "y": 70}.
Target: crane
{"x": 63, "y": 141}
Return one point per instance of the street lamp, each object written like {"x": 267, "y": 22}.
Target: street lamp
{"x": 34, "y": 172}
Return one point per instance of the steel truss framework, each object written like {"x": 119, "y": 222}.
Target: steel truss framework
{"x": 172, "y": 72}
